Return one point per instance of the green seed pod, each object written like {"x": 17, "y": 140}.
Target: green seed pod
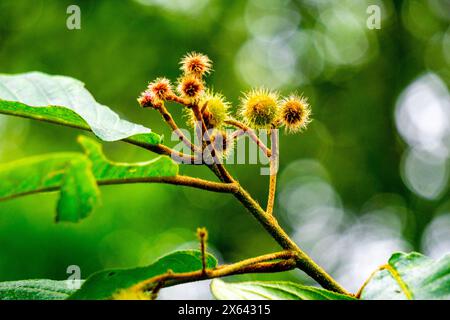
{"x": 260, "y": 108}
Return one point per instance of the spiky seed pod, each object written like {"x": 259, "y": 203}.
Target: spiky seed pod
{"x": 161, "y": 88}
{"x": 295, "y": 113}
{"x": 190, "y": 87}
{"x": 147, "y": 99}
{"x": 260, "y": 108}
{"x": 195, "y": 64}
{"x": 214, "y": 109}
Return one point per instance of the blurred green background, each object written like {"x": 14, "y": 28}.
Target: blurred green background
{"x": 368, "y": 177}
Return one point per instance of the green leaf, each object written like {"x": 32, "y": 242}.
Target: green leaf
{"x": 34, "y": 290}
{"x": 79, "y": 191}
{"x": 105, "y": 284}
{"x": 77, "y": 176}
{"x": 271, "y": 290}
{"x": 64, "y": 100}
{"x": 105, "y": 170}
{"x": 410, "y": 276}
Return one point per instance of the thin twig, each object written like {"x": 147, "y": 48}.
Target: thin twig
{"x": 251, "y": 133}
{"x": 179, "y": 100}
{"x": 164, "y": 150}
{"x": 202, "y": 234}
{"x": 169, "y": 120}
{"x": 256, "y": 264}
{"x": 273, "y": 172}
{"x": 175, "y": 180}
{"x": 224, "y": 175}
{"x": 304, "y": 262}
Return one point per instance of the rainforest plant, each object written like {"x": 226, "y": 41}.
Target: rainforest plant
{"x": 77, "y": 177}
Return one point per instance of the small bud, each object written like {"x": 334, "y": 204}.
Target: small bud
{"x": 147, "y": 99}
{"x": 161, "y": 88}
{"x": 295, "y": 113}
{"x": 259, "y": 108}
{"x": 195, "y": 64}
{"x": 202, "y": 234}
{"x": 190, "y": 87}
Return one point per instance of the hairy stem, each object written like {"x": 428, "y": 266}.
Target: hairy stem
{"x": 164, "y": 150}
{"x": 218, "y": 166}
{"x": 179, "y": 180}
{"x": 176, "y": 180}
{"x": 169, "y": 120}
{"x": 257, "y": 264}
{"x": 251, "y": 133}
{"x": 304, "y": 262}
{"x": 273, "y": 173}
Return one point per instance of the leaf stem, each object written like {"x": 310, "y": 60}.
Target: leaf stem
{"x": 273, "y": 173}
{"x": 304, "y": 262}
{"x": 217, "y": 165}
{"x": 178, "y": 180}
{"x": 169, "y": 120}
{"x": 175, "y": 180}
{"x": 264, "y": 263}
{"x": 251, "y": 133}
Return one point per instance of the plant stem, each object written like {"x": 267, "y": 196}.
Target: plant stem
{"x": 176, "y": 180}
{"x": 251, "y": 134}
{"x": 164, "y": 150}
{"x": 169, "y": 120}
{"x": 217, "y": 165}
{"x": 255, "y": 264}
{"x": 304, "y": 262}
{"x": 272, "y": 190}
{"x": 273, "y": 173}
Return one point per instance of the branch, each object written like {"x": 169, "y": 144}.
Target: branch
{"x": 218, "y": 167}
{"x": 251, "y": 134}
{"x": 184, "y": 102}
{"x": 264, "y": 263}
{"x": 304, "y": 262}
{"x": 164, "y": 150}
{"x": 179, "y": 180}
{"x": 273, "y": 173}
{"x": 176, "y": 180}
{"x": 169, "y": 120}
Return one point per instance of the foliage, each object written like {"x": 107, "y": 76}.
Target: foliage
{"x": 37, "y": 89}
{"x": 34, "y": 290}
{"x": 410, "y": 276}
{"x": 77, "y": 176}
{"x": 271, "y": 290}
